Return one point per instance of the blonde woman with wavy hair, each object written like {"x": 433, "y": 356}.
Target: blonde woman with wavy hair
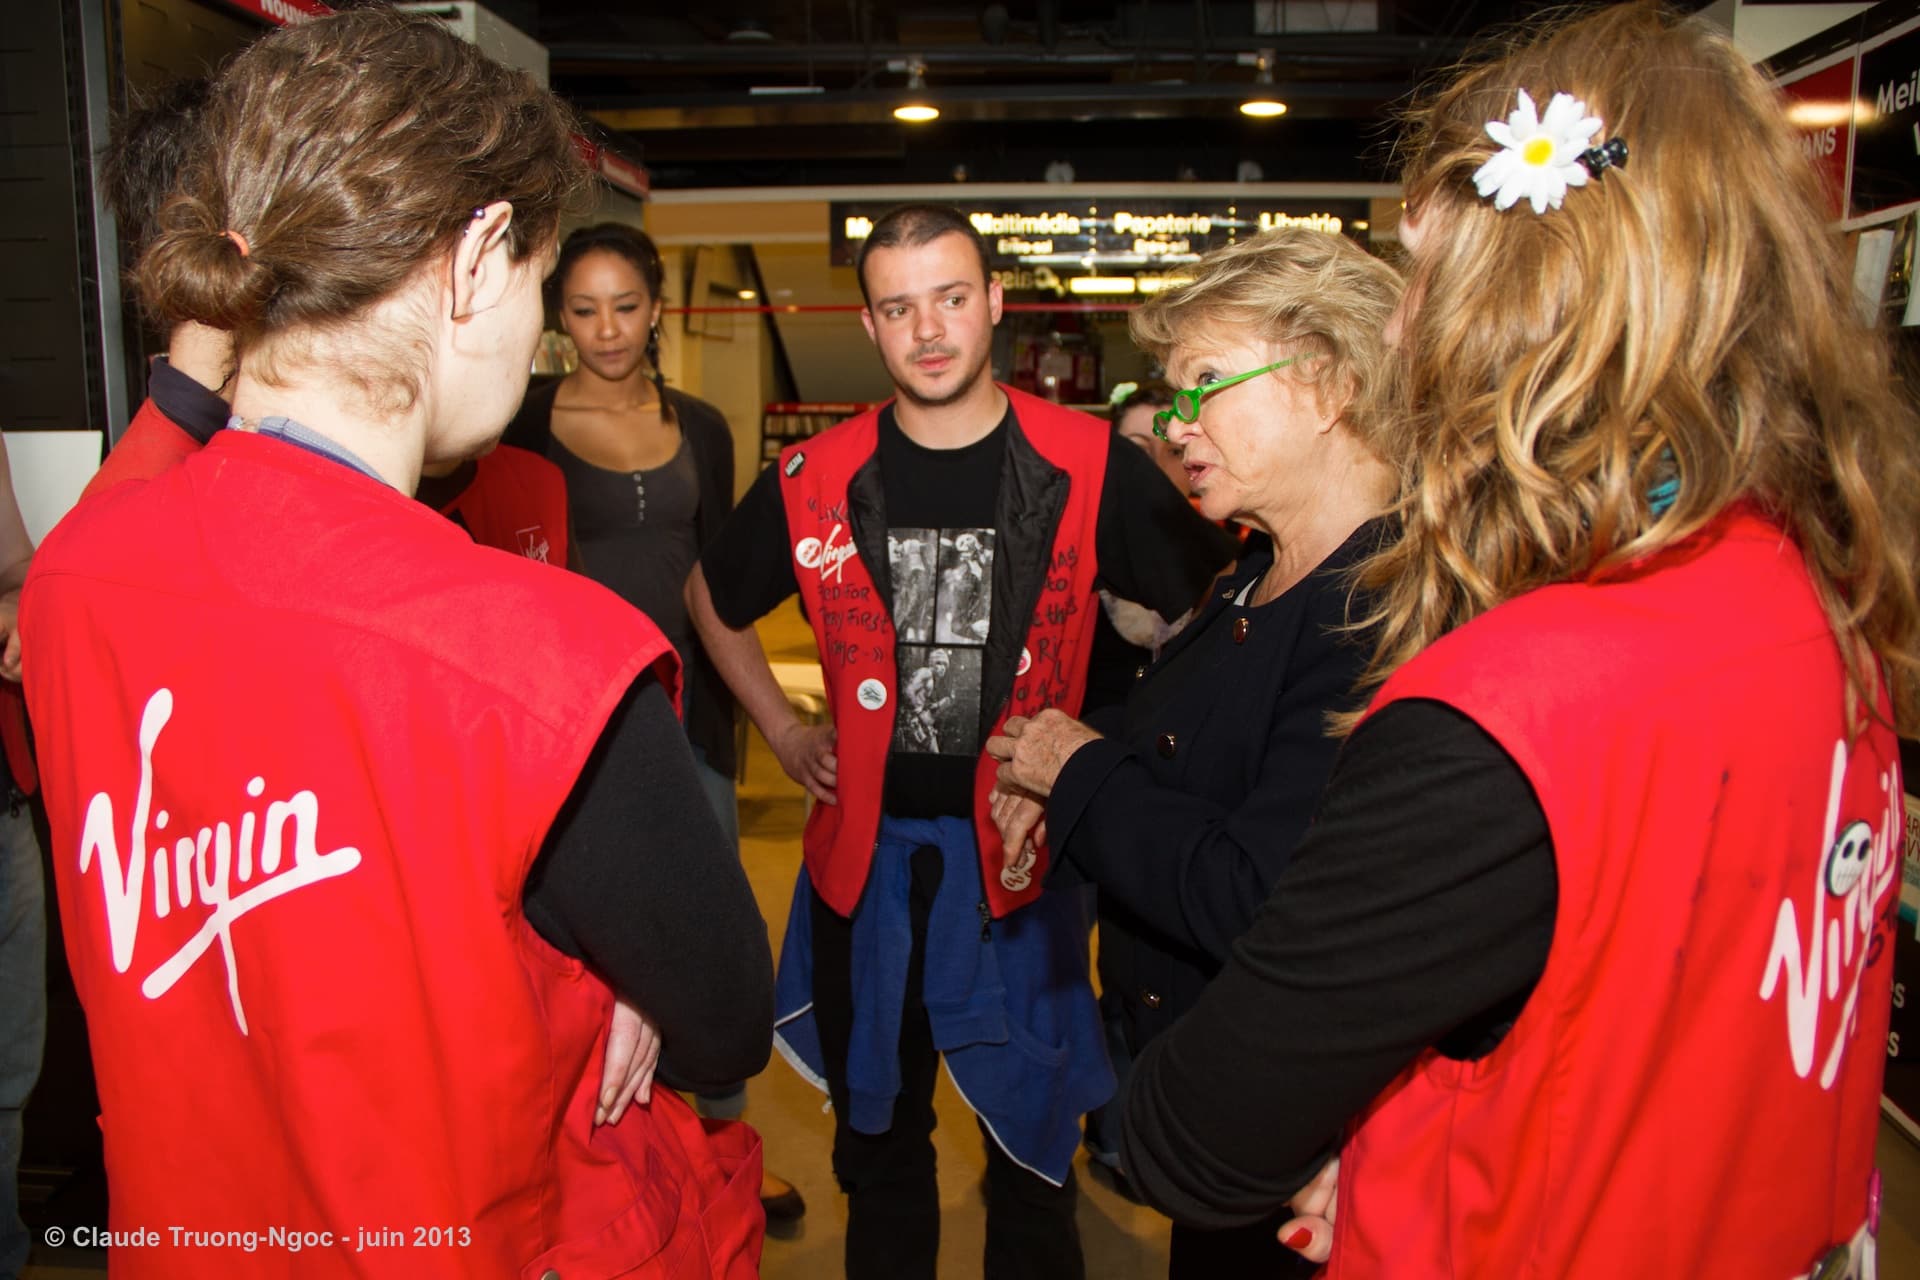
{"x": 1585, "y": 967}
{"x": 1189, "y": 808}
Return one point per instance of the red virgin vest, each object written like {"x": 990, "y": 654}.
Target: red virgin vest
{"x": 1693, "y": 1089}
{"x": 856, "y": 636}
{"x": 517, "y": 502}
{"x": 151, "y": 443}
{"x": 296, "y": 778}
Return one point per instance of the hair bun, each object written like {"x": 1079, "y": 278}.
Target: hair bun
{"x": 201, "y": 270}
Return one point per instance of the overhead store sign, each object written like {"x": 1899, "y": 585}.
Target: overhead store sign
{"x": 1108, "y": 236}
{"x": 1886, "y": 121}
{"x": 1854, "y": 96}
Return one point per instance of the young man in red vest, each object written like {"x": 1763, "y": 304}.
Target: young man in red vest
{"x": 1021, "y": 511}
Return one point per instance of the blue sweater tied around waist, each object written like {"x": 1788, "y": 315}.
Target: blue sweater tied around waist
{"x": 1012, "y": 1010}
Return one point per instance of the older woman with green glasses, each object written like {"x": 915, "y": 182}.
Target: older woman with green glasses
{"x": 1187, "y": 809}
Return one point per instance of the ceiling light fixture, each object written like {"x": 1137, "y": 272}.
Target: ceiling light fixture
{"x": 749, "y": 31}
{"x": 1261, "y": 104}
{"x": 1101, "y": 284}
{"x": 916, "y": 109}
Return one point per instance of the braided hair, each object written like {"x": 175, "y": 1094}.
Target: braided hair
{"x": 638, "y": 249}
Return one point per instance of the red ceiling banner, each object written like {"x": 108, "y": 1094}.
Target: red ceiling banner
{"x": 282, "y": 13}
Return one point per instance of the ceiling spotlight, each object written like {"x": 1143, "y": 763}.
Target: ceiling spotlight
{"x": 1261, "y": 104}
{"x": 916, "y": 109}
{"x": 747, "y": 295}
{"x": 748, "y": 31}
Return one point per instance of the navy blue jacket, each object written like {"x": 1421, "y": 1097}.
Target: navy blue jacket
{"x": 1187, "y": 815}
{"x": 1009, "y": 1005}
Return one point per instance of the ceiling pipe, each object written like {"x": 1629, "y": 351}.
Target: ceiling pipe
{"x": 1368, "y": 47}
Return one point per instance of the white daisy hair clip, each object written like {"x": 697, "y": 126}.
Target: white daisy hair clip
{"x": 1541, "y": 156}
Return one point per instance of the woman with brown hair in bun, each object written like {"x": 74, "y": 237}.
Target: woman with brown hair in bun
{"x": 344, "y": 807}
{"x": 1584, "y": 968}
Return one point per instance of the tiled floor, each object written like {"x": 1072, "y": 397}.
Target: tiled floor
{"x": 1122, "y": 1240}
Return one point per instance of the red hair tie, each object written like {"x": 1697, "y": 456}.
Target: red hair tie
{"x": 239, "y": 241}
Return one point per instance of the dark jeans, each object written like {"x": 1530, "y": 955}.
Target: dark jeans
{"x": 893, "y": 1200}
{"x": 23, "y": 1005}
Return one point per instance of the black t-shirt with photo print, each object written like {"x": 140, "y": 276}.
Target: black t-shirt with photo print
{"x": 940, "y": 544}
{"x": 940, "y": 503}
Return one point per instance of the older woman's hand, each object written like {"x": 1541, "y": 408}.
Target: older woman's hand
{"x": 1033, "y": 751}
{"x": 1022, "y": 821}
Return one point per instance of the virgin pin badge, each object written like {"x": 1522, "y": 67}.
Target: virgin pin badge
{"x": 1018, "y": 874}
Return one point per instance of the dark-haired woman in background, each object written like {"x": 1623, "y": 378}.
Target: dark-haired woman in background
{"x": 1128, "y": 636}
{"x": 649, "y": 473}
{"x": 1133, "y": 408}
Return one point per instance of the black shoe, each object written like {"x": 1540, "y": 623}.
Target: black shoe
{"x": 1114, "y": 1177}
{"x": 788, "y": 1206}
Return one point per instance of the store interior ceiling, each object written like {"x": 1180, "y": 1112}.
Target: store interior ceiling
{"x": 767, "y": 93}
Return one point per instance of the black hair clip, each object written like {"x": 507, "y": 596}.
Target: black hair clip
{"x": 1611, "y": 154}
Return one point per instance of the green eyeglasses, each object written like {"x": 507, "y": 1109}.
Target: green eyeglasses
{"x": 1186, "y": 404}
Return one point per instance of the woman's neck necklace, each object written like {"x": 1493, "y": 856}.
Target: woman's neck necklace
{"x": 615, "y": 397}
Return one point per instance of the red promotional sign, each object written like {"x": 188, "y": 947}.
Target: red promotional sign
{"x": 283, "y": 13}
{"x": 1820, "y": 105}
{"x": 625, "y": 174}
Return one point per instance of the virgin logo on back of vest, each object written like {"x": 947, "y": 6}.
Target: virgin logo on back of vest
{"x": 204, "y": 867}
{"x": 828, "y": 556}
{"x": 533, "y": 543}
{"x": 1856, "y": 871}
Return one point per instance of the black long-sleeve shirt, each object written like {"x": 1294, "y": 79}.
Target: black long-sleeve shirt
{"x": 1417, "y": 912}
{"x": 637, "y": 880}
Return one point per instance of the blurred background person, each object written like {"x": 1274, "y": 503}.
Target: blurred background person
{"x": 436, "y": 889}
{"x": 1551, "y": 970}
{"x": 1187, "y": 812}
{"x": 23, "y": 895}
{"x": 1133, "y": 409}
{"x": 1128, "y": 635}
{"x": 148, "y": 146}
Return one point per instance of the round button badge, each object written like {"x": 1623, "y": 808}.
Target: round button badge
{"x": 1026, "y": 660}
{"x": 871, "y": 694}
{"x": 1018, "y": 874}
